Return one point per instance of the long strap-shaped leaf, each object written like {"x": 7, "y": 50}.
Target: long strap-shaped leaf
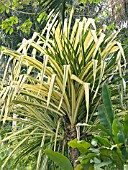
{"x": 86, "y": 88}
{"x": 66, "y": 69}
{"x": 51, "y": 88}
{"x": 107, "y": 102}
{"x": 104, "y": 120}
{"x": 105, "y": 111}
{"x": 103, "y": 64}
{"x": 40, "y": 152}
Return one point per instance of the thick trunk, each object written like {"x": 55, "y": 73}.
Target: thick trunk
{"x": 73, "y": 152}
{"x": 74, "y": 156}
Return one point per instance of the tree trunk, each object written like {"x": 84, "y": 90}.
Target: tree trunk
{"x": 126, "y": 7}
{"x": 117, "y": 10}
{"x": 71, "y": 134}
{"x": 74, "y": 156}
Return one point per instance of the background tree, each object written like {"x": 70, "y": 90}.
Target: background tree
{"x": 119, "y": 10}
{"x": 22, "y": 18}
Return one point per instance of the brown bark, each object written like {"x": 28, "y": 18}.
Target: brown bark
{"x": 71, "y": 134}
{"x": 74, "y": 156}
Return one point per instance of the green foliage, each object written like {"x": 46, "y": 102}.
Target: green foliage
{"x": 9, "y": 23}
{"x": 61, "y": 89}
{"x": 26, "y": 26}
{"x": 92, "y": 158}
{"x": 105, "y": 112}
{"x": 42, "y": 16}
{"x": 117, "y": 132}
{"x": 38, "y": 12}
{"x": 59, "y": 159}
{"x": 57, "y": 92}
{"x": 106, "y": 150}
{"x": 82, "y": 146}
{"x": 111, "y": 26}
{"x": 22, "y": 15}
{"x": 117, "y": 128}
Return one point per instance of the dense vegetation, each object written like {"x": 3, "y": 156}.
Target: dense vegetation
{"x": 63, "y": 94}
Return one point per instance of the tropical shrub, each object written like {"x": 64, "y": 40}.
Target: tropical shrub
{"x": 108, "y": 148}
{"x": 55, "y": 83}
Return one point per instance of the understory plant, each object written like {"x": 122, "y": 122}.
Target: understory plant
{"x": 108, "y": 148}
{"x": 55, "y": 84}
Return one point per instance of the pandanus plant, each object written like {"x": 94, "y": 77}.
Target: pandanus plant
{"x": 55, "y": 85}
